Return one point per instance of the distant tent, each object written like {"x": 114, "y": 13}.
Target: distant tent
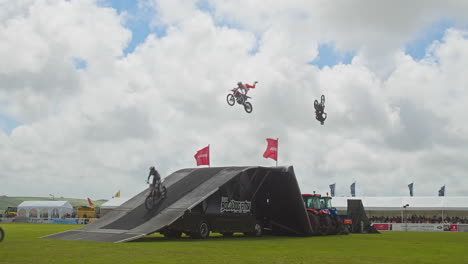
{"x": 44, "y": 209}
{"x": 112, "y": 204}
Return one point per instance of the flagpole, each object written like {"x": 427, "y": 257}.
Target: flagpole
{"x": 277, "y": 151}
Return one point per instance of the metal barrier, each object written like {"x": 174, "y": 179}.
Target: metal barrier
{"x": 69, "y": 221}
{"x": 421, "y": 227}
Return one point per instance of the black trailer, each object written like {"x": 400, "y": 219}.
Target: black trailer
{"x": 255, "y": 200}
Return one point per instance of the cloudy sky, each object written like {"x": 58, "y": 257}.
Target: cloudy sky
{"x": 94, "y": 92}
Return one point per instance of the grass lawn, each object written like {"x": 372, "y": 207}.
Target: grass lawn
{"x": 22, "y": 245}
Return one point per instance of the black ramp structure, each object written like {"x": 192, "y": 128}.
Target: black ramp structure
{"x": 361, "y": 223}
{"x": 273, "y": 192}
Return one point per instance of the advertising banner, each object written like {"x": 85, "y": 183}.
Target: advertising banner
{"x": 381, "y": 226}
{"x": 417, "y": 227}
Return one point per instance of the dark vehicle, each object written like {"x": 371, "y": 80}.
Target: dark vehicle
{"x": 320, "y": 219}
{"x": 240, "y": 98}
{"x": 203, "y": 219}
{"x": 2, "y": 234}
{"x": 11, "y": 211}
{"x": 219, "y": 214}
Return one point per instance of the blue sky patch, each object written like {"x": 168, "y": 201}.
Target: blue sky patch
{"x": 329, "y": 56}
{"x": 418, "y": 47}
{"x": 205, "y": 6}
{"x": 138, "y": 20}
{"x": 8, "y": 124}
{"x": 79, "y": 63}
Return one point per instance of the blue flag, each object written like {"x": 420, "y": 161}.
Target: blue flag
{"x": 442, "y": 191}
{"x": 332, "y": 190}
{"x": 353, "y": 189}
{"x": 410, "y": 186}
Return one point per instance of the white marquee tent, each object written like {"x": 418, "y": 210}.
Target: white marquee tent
{"x": 44, "y": 209}
{"x": 431, "y": 205}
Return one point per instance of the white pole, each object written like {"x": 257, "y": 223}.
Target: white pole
{"x": 277, "y": 151}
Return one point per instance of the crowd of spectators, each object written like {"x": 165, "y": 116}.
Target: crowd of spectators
{"x": 419, "y": 219}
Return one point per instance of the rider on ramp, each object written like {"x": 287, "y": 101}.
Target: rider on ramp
{"x": 157, "y": 191}
{"x": 156, "y": 177}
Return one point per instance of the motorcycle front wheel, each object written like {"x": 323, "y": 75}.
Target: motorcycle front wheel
{"x": 248, "y": 107}
{"x": 2, "y": 234}
{"x": 149, "y": 202}
{"x": 230, "y": 99}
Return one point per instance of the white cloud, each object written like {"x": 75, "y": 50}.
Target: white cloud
{"x": 93, "y": 131}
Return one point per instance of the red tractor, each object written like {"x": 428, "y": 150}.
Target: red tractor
{"x": 320, "y": 219}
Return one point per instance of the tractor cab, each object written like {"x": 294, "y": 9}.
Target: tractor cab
{"x": 311, "y": 201}
{"x": 325, "y": 204}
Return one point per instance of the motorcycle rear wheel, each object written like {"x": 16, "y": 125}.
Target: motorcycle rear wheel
{"x": 248, "y": 107}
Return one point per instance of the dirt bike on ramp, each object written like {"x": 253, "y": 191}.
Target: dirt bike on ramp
{"x": 156, "y": 194}
{"x": 236, "y": 96}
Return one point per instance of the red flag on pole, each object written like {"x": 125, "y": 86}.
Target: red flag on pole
{"x": 90, "y": 203}
{"x": 272, "y": 149}
{"x": 203, "y": 156}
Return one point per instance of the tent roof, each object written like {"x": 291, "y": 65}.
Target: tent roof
{"x": 114, "y": 202}
{"x": 44, "y": 204}
{"x": 420, "y": 203}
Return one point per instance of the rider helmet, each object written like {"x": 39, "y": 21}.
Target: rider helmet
{"x": 239, "y": 83}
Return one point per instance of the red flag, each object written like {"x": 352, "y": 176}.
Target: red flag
{"x": 272, "y": 149}
{"x": 90, "y": 203}
{"x": 203, "y": 156}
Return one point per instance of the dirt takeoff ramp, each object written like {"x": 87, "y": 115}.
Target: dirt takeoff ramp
{"x": 186, "y": 189}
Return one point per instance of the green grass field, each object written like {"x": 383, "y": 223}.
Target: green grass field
{"x": 22, "y": 245}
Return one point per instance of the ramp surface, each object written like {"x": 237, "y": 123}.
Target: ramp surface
{"x": 186, "y": 189}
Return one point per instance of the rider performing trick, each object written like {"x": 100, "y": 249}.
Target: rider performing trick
{"x": 239, "y": 95}
{"x": 320, "y": 115}
{"x": 245, "y": 87}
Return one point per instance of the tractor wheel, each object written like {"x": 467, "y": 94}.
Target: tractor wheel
{"x": 314, "y": 223}
{"x": 325, "y": 225}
